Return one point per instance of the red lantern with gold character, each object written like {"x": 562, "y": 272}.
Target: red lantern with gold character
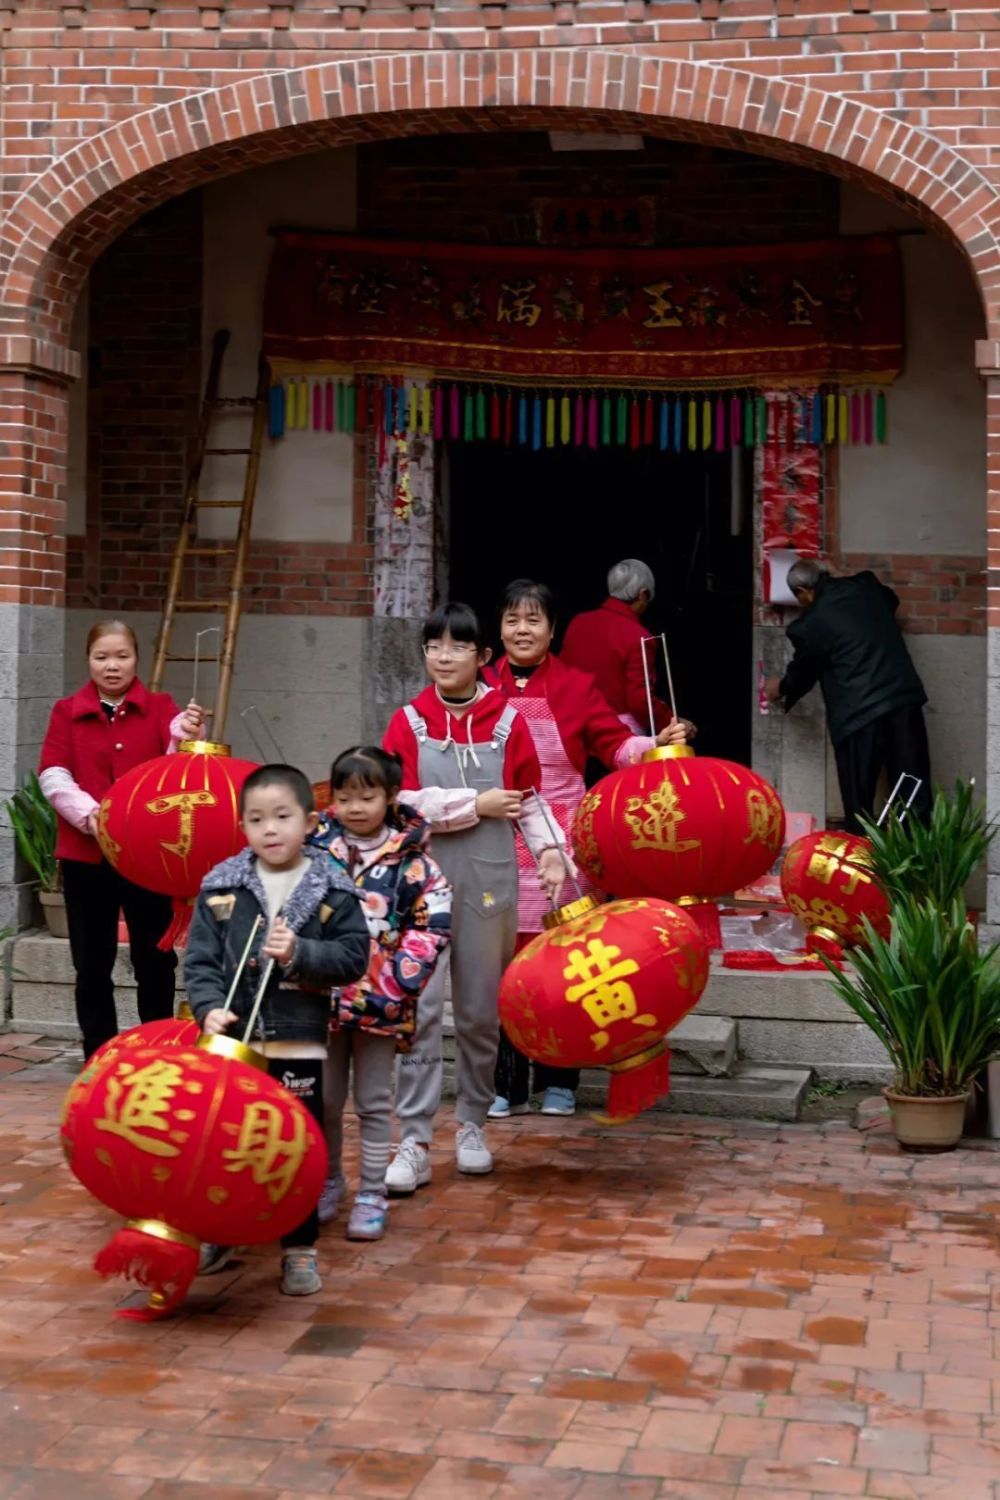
{"x": 679, "y": 827}
{"x": 602, "y": 987}
{"x": 827, "y": 881}
{"x": 166, "y": 823}
{"x": 190, "y": 1144}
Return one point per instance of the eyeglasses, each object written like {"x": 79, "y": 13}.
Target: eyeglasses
{"x": 450, "y": 648}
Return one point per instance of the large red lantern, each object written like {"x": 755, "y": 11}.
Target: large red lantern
{"x": 190, "y": 1144}
{"x": 679, "y": 827}
{"x": 601, "y": 988}
{"x": 827, "y": 881}
{"x": 166, "y": 823}
{"x": 175, "y": 1031}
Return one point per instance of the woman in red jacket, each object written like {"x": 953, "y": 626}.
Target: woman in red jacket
{"x": 112, "y": 724}
{"x": 570, "y": 720}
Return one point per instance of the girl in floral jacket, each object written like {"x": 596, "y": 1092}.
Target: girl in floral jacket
{"x": 383, "y": 848}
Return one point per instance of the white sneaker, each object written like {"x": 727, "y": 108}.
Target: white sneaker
{"x": 409, "y": 1169}
{"x": 472, "y": 1155}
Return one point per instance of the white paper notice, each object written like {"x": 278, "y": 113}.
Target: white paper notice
{"x": 779, "y": 560}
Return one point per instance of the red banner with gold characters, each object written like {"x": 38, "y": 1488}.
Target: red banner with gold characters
{"x": 821, "y": 312}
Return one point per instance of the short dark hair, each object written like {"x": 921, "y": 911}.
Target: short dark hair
{"x": 459, "y": 621}
{"x": 527, "y": 591}
{"x": 369, "y": 765}
{"x": 275, "y": 775}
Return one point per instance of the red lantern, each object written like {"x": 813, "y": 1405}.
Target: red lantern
{"x": 190, "y": 1144}
{"x": 602, "y": 987}
{"x": 166, "y": 823}
{"x": 827, "y": 881}
{"x": 679, "y": 827}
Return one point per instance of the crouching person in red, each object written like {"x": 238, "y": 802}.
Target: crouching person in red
{"x": 314, "y": 930}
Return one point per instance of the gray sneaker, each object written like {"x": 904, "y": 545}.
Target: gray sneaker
{"x": 331, "y": 1198}
{"x": 299, "y": 1276}
{"x": 214, "y": 1258}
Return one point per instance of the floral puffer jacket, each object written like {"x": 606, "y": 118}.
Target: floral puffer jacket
{"x": 406, "y": 901}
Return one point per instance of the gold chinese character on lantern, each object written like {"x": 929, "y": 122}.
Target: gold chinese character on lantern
{"x": 185, "y": 804}
{"x": 764, "y": 818}
{"x": 261, "y": 1147}
{"x": 593, "y": 923}
{"x": 514, "y": 304}
{"x": 655, "y": 822}
{"x": 602, "y": 988}
{"x": 140, "y": 1101}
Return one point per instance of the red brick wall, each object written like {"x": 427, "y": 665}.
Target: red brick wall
{"x": 938, "y": 595}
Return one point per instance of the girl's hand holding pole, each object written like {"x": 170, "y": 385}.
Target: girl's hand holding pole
{"x": 552, "y": 873}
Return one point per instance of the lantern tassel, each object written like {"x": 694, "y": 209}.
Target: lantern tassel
{"x": 176, "y": 935}
{"x": 166, "y": 1266}
{"x": 637, "y": 1083}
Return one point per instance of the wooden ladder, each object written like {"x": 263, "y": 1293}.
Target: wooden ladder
{"x": 188, "y": 546}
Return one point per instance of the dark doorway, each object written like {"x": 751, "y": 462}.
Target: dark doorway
{"x": 564, "y": 515}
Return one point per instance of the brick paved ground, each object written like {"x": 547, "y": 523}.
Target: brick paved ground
{"x": 684, "y": 1309}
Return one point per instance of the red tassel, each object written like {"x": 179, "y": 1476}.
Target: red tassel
{"x": 647, "y": 421}
{"x": 328, "y": 406}
{"x": 592, "y": 422}
{"x": 166, "y": 1267}
{"x": 706, "y": 915}
{"x": 176, "y": 935}
{"x": 633, "y": 436}
{"x": 637, "y": 1084}
{"x": 495, "y": 418}
{"x": 508, "y": 419}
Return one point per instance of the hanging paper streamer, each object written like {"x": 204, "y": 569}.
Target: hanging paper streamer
{"x": 579, "y": 422}
{"x": 438, "y": 414}
{"x": 692, "y": 425}
{"x": 290, "y": 406}
{"x": 749, "y": 426}
{"x": 508, "y": 419}
{"x": 842, "y": 419}
{"x": 302, "y": 411}
{"x": 868, "y": 416}
{"x": 379, "y": 419}
{"x": 536, "y": 423}
{"x": 349, "y": 409}
{"x": 564, "y": 420}
{"x": 494, "y": 418}
{"x": 317, "y": 407}
{"x": 402, "y": 415}
{"x": 830, "y": 432}
{"x": 455, "y": 422}
{"x": 678, "y": 424}
{"x": 735, "y": 421}
{"x": 606, "y": 421}
{"x": 328, "y": 406}
{"x": 592, "y": 422}
{"x": 647, "y": 421}
{"x": 817, "y": 419}
{"x": 363, "y": 395}
{"x": 550, "y": 422}
{"x": 522, "y": 420}
{"x": 633, "y": 425}
{"x": 621, "y": 431}
{"x": 480, "y": 414}
{"x": 720, "y": 426}
{"x": 275, "y": 412}
{"x": 706, "y": 424}
{"x": 664, "y": 423}
{"x": 389, "y": 420}
{"x": 880, "y": 417}
{"x": 855, "y": 418}
{"x": 412, "y": 418}
{"x": 468, "y": 418}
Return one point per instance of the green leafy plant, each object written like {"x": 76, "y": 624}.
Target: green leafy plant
{"x": 33, "y": 819}
{"x": 932, "y": 860}
{"x": 930, "y": 994}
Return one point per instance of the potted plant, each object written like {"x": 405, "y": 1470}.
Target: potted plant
{"x": 932, "y": 997}
{"x": 33, "y": 820}
{"x": 934, "y": 860}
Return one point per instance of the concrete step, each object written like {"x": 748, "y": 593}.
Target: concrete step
{"x": 795, "y": 1019}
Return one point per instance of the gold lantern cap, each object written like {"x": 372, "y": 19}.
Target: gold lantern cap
{"x": 204, "y": 747}
{"x": 570, "y": 911}
{"x": 668, "y": 752}
{"x": 228, "y": 1046}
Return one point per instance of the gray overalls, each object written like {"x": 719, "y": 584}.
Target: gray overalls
{"x": 481, "y": 864}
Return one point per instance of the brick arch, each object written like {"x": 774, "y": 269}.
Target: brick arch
{"x": 67, "y": 216}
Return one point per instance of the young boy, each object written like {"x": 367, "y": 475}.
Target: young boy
{"x": 315, "y": 931}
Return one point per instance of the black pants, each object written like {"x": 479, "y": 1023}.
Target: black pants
{"x": 303, "y": 1077}
{"x": 895, "y": 743}
{"x": 94, "y": 896}
{"x": 513, "y": 1075}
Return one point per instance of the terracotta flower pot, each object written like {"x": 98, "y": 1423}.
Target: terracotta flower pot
{"x": 54, "y": 911}
{"x": 927, "y": 1124}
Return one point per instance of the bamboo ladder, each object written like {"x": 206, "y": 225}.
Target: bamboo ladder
{"x": 188, "y": 546}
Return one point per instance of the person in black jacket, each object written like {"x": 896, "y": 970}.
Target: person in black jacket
{"x": 848, "y": 640}
{"x": 313, "y": 929}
